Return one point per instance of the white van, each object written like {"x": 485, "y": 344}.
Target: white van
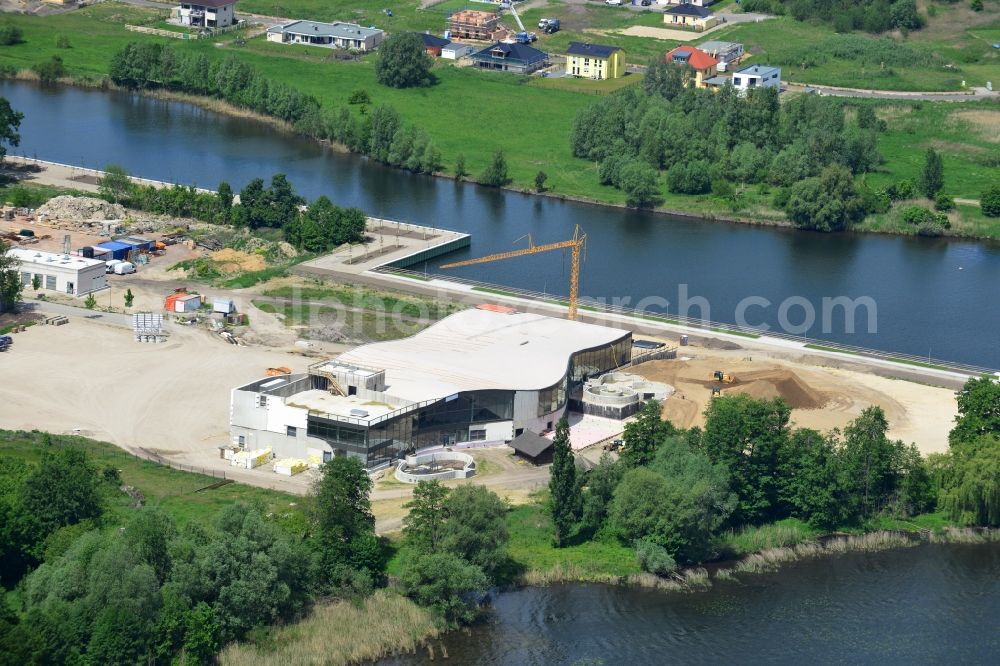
{"x": 124, "y": 268}
{"x": 109, "y": 266}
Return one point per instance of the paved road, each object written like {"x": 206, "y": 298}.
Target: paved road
{"x": 110, "y": 318}
{"x": 972, "y": 94}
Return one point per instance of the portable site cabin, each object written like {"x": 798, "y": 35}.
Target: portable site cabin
{"x": 116, "y": 249}
{"x": 223, "y": 305}
{"x": 139, "y": 244}
{"x": 187, "y": 302}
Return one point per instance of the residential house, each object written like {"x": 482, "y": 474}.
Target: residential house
{"x": 433, "y": 44}
{"x": 756, "y": 76}
{"x": 595, "y": 61}
{"x": 703, "y": 65}
{"x": 208, "y": 13}
{"x": 727, "y": 53}
{"x": 330, "y": 35}
{"x": 457, "y": 50}
{"x": 691, "y": 16}
{"x": 518, "y": 58}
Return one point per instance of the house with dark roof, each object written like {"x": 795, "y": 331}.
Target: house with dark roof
{"x": 518, "y": 58}
{"x": 595, "y": 61}
{"x": 208, "y": 13}
{"x": 702, "y": 65}
{"x": 337, "y": 35}
{"x": 433, "y": 44}
{"x": 532, "y": 447}
{"x": 690, "y": 15}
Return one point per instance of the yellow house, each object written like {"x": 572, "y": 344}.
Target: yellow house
{"x": 691, "y": 16}
{"x": 594, "y": 61}
{"x": 703, "y": 65}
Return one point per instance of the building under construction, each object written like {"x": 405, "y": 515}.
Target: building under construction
{"x": 486, "y": 374}
{"x": 476, "y": 24}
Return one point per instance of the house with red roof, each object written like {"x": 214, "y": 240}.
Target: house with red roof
{"x": 703, "y": 65}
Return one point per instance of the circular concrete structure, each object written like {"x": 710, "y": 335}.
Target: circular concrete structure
{"x": 436, "y": 466}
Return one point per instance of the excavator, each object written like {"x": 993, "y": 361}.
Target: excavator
{"x": 720, "y": 376}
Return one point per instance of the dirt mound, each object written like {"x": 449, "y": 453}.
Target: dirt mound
{"x": 234, "y": 261}
{"x": 81, "y": 209}
{"x": 768, "y": 384}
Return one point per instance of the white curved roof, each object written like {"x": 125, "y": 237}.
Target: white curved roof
{"x": 479, "y": 349}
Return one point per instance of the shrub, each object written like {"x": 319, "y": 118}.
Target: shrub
{"x": 944, "y": 202}
{"x": 875, "y": 201}
{"x": 904, "y": 189}
{"x": 359, "y": 96}
{"x": 62, "y": 42}
{"x": 924, "y": 217}
{"x": 50, "y": 70}
{"x": 10, "y": 34}
{"x": 989, "y": 201}
{"x": 654, "y": 558}
{"x": 976, "y": 5}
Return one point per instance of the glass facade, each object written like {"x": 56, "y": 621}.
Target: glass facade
{"x": 442, "y": 423}
{"x": 552, "y": 398}
{"x": 593, "y": 362}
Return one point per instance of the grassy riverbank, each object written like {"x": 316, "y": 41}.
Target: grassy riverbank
{"x": 537, "y": 139}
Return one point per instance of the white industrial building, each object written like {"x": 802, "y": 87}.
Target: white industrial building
{"x": 478, "y": 375}
{"x": 64, "y": 273}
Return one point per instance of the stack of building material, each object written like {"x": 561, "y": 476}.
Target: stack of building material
{"x": 251, "y": 459}
{"x": 148, "y": 327}
{"x": 290, "y": 466}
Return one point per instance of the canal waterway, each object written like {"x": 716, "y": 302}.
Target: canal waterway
{"x": 934, "y": 298}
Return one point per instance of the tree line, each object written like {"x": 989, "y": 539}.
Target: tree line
{"x": 318, "y": 227}
{"x": 672, "y": 492}
{"x": 100, "y": 585}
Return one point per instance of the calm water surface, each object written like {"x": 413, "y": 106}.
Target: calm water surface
{"x": 934, "y": 297}
{"x": 922, "y": 605}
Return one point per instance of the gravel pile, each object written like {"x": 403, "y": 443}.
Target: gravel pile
{"x": 81, "y": 209}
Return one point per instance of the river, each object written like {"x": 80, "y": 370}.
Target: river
{"x": 931, "y": 604}
{"x": 932, "y": 297}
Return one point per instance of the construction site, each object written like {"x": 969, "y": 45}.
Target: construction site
{"x": 489, "y": 381}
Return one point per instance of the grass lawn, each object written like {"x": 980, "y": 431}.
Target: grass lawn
{"x": 173, "y": 491}
{"x": 368, "y": 299}
{"x": 531, "y": 546}
{"x": 939, "y": 57}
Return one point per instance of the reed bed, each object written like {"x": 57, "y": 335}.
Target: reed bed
{"x": 341, "y": 633}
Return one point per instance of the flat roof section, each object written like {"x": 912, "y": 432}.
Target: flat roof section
{"x": 478, "y": 349}
{"x": 39, "y": 258}
{"x": 347, "y": 407}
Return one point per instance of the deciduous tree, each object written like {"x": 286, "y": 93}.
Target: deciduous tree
{"x": 402, "y": 62}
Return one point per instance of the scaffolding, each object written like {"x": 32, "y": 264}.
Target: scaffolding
{"x": 476, "y": 24}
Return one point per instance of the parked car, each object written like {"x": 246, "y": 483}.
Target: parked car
{"x": 613, "y": 3}
{"x": 124, "y": 268}
{"x": 646, "y": 3}
{"x": 5, "y": 342}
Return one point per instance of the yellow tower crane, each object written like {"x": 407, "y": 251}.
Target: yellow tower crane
{"x": 575, "y": 244}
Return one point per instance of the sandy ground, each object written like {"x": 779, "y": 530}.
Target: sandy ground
{"x": 821, "y": 397}
{"x": 171, "y": 398}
